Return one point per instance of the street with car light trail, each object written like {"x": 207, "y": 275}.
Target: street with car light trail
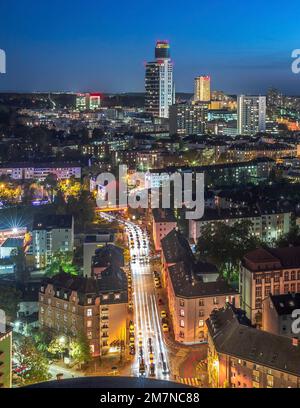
{"x": 150, "y": 347}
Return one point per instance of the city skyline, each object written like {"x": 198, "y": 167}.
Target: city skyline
{"x": 70, "y": 57}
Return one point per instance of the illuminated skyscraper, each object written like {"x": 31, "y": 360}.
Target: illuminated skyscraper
{"x": 160, "y": 90}
{"x": 202, "y": 89}
{"x": 251, "y": 114}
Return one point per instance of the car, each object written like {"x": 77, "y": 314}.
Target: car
{"x": 131, "y": 326}
{"x": 142, "y": 368}
{"x": 163, "y": 314}
{"x": 151, "y": 357}
{"x": 165, "y": 368}
{"x": 140, "y": 342}
{"x": 152, "y": 370}
{"x": 165, "y": 327}
{"x": 131, "y": 340}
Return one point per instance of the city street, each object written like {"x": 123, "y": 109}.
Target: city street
{"x": 151, "y": 356}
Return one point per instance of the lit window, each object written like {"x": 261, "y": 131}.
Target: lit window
{"x": 201, "y": 323}
{"x": 181, "y": 323}
{"x": 89, "y": 312}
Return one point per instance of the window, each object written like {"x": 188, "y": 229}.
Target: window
{"x": 182, "y": 312}
{"x": 89, "y": 301}
{"x": 117, "y": 296}
{"x": 293, "y": 275}
{"x": 286, "y": 276}
{"x": 267, "y": 290}
{"x": 286, "y": 288}
{"x": 181, "y": 323}
{"x": 215, "y": 301}
{"x": 258, "y": 291}
{"x": 293, "y": 287}
{"x": 89, "y": 323}
{"x": 92, "y": 348}
{"x": 89, "y": 334}
{"x": 201, "y": 313}
{"x": 201, "y": 302}
{"x": 89, "y": 312}
{"x": 181, "y": 303}
{"x": 201, "y": 323}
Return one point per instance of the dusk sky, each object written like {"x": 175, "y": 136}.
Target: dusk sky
{"x": 97, "y": 45}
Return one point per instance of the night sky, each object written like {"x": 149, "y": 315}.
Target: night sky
{"x": 102, "y": 45}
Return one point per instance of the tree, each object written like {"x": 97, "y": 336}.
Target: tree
{"x": 9, "y": 301}
{"x": 35, "y": 364}
{"x": 225, "y": 245}
{"x": 291, "y": 238}
{"x": 61, "y": 262}
{"x": 42, "y": 337}
{"x": 80, "y": 349}
{"x": 57, "y": 346}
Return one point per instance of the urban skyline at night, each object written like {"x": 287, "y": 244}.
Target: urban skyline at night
{"x": 149, "y": 200}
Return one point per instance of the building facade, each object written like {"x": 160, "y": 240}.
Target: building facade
{"x": 193, "y": 289}
{"x": 188, "y": 119}
{"x": 251, "y": 114}
{"x": 6, "y": 359}
{"x": 202, "y": 89}
{"x": 264, "y": 272}
{"x": 95, "y": 308}
{"x": 159, "y": 86}
{"x": 50, "y": 234}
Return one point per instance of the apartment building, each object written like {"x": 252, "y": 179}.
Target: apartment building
{"x": 50, "y": 234}
{"x": 268, "y": 224}
{"x": 96, "y": 308}
{"x": 193, "y": 288}
{"x": 31, "y": 171}
{"x": 264, "y": 271}
{"x": 240, "y": 356}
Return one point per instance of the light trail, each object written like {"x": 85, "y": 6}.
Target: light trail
{"x": 146, "y": 314}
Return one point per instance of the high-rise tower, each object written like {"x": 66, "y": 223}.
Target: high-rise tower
{"x": 202, "y": 89}
{"x": 251, "y": 114}
{"x": 160, "y": 90}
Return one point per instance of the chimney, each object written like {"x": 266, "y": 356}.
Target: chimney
{"x": 295, "y": 341}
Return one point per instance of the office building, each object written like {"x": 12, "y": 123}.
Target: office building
{"x": 251, "y": 114}
{"x": 202, "y": 89}
{"x": 159, "y": 86}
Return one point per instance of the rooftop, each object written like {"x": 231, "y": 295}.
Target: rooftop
{"x": 260, "y": 347}
{"x": 272, "y": 258}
